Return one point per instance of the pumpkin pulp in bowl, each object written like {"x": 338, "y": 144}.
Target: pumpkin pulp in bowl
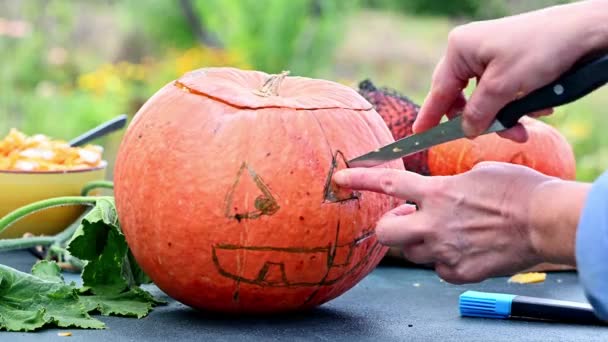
{"x": 34, "y": 168}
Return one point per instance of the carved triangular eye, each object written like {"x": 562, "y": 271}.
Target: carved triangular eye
{"x": 249, "y": 197}
{"x": 333, "y": 193}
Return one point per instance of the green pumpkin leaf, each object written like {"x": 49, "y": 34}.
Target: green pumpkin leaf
{"x": 110, "y": 266}
{"x": 47, "y": 270}
{"x": 110, "y": 277}
{"x": 90, "y": 238}
{"x": 133, "y": 272}
{"x": 134, "y": 303}
{"x": 29, "y": 302}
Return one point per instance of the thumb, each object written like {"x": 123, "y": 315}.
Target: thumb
{"x": 402, "y": 210}
{"x": 486, "y": 164}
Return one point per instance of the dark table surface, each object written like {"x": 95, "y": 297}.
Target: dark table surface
{"x": 394, "y": 303}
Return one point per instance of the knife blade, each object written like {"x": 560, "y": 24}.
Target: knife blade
{"x": 583, "y": 78}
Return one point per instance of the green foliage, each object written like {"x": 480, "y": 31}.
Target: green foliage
{"x": 160, "y": 22}
{"x": 276, "y": 35}
{"x": 272, "y": 35}
{"x": 99, "y": 240}
{"x": 56, "y": 82}
{"x": 37, "y": 93}
{"x": 31, "y": 83}
{"x": 463, "y": 8}
{"x": 584, "y": 124}
{"x": 472, "y": 9}
{"x": 30, "y": 301}
{"x": 111, "y": 276}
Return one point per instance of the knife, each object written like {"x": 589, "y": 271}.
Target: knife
{"x": 583, "y": 78}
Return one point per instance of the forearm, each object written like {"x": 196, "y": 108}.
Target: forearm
{"x": 590, "y": 18}
{"x": 554, "y": 213}
{"x": 556, "y": 207}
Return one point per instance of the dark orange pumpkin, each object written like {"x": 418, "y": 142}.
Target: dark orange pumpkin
{"x": 223, "y": 190}
{"x": 546, "y": 149}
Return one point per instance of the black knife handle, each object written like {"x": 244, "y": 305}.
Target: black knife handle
{"x": 577, "y": 82}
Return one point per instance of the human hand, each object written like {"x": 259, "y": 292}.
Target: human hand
{"x": 510, "y": 57}
{"x": 495, "y": 219}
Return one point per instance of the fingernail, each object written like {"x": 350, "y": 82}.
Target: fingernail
{"x": 416, "y": 126}
{"x": 340, "y": 178}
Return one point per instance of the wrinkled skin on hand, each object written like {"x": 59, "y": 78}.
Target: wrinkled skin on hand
{"x": 510, "y": 57}
{"x": 472, "y": 226}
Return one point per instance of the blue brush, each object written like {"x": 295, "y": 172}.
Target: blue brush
{"x": 503, "y": 306}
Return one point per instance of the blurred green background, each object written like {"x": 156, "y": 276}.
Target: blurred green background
{"x": 69, "y": 65}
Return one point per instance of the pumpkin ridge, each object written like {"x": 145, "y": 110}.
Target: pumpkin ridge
{"x": 330, "y": 193}
{"x": 331, "y": 151}
{"x": 331, "y": 254}
{"x": 244, "y": 240}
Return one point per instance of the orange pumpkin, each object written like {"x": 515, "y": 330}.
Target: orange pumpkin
{"x": 224, "y": 193}
{"x": 546, "y": 149}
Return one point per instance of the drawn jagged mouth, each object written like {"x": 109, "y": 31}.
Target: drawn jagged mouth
{"x": 287, "y": 266}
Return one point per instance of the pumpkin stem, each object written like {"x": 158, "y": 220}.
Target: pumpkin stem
{"x": 271, "y": 85}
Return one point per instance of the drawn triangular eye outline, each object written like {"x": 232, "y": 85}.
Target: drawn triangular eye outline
{"x": 265, "y": 204}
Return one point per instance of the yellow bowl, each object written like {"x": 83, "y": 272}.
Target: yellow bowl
{"x": 19, "y": 188}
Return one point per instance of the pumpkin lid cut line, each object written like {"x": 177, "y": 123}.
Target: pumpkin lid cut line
{"x": 257, "y": 90}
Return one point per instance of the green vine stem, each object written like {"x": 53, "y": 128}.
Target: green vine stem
{"x": 20, "y": 213}
{"x": 101, "y": 184}
{"x": 23, "y": 243}
{"x": 45, "y": 241}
